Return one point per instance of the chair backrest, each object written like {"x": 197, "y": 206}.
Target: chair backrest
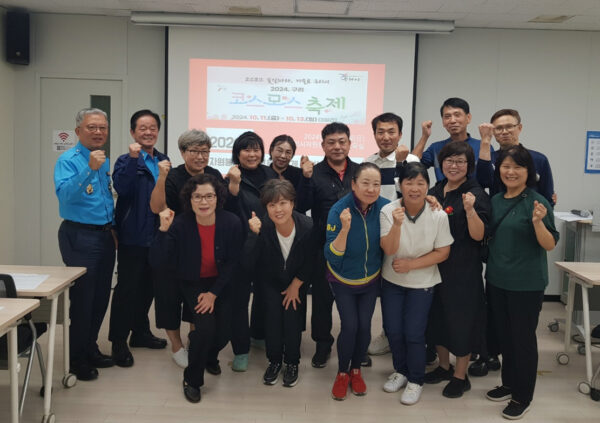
{"x": 7, "y": 286}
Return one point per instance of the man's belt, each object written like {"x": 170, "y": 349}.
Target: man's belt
{"x": 106, "y": 227}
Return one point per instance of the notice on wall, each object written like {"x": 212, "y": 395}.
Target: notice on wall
{"x": 592, "y": 152}
{"x": 63, "y": 139}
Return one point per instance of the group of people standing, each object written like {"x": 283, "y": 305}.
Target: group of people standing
{"x": 376, "y": 229}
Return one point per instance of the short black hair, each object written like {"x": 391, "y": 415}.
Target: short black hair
{"x": 457, "y": 103}
{"x": 274, "y": 189}
{"x": 522, "y": 157}
{"x": 506, "y": 112}
{"x": 363, "y": 166}
{"x": 248, "y": 139}
{"x": 387, "y": 117}
{"x": 335, "y": 128}
{"x": 456, "y": 148}
{"x": 201, "y": 179}
{"x": 280, "y": 139}
{"x": 141, "y": 113}
{"x": 412, "y": 170}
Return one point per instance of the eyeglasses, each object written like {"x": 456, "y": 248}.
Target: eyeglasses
{"x": 203, "y": 153}
{"x": 94, "y": 128}
{"x": 208, "y": 197}
{"x": 458, "y": 163}
{"x": 507, "y": 128}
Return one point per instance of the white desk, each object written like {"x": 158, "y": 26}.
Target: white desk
{"x": 586, "y": 275}
{"x": 59, "y": 280}
{"x": 12, "y": 310}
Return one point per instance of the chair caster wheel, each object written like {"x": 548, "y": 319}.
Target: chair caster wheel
{"x": 584, "y": 388}
{"x": 69, "y": 380}
{"x": 553, "y": 326}
{"x": 581, "y": 349}
{"x": 562, "y": 358}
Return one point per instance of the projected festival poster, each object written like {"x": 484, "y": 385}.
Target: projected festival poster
{"x": 228, "y": 97}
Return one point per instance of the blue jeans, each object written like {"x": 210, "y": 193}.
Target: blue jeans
{"x": 355, "y": 306}
{"x": 405, "y": 313}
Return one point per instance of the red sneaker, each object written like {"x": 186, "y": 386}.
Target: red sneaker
{"x": 357, "y": 384}
{"x": 340, "y": 386}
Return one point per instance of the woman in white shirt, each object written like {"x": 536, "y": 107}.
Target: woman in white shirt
{"x": 414, "y": 239}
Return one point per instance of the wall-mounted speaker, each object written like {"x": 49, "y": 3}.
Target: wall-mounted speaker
{"x": 17, "y": 38}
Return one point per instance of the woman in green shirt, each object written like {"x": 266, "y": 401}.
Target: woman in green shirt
{"x": 517, "y": 274}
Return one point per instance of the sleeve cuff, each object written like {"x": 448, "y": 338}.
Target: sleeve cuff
{"x": 334, "y": 251}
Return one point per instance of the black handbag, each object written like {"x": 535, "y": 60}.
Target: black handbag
{"x": 485, "y": 242}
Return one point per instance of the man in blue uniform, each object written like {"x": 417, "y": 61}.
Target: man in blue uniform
{"x": 456, "y": 117}
{"x": 82, "y": 183}
{"x": 134, "y": 178}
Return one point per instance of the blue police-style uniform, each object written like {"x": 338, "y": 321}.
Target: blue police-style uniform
{"x": 85, "y": 239}
{"x": 134, "y": 179}
{"x": 430, "y": 156}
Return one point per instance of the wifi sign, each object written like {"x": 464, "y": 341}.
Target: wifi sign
{"x": 63, "y": 139}
{"x": 63, "y": 136}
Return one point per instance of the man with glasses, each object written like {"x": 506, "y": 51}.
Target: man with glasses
{"x": 134, "y": 178}
{"x": 194, "y": 147}
{"x": 85, "y": 238}
{"x": 320, "y": 187}
{"x": 506, "y": 127}
{"x": 456, "y": 117}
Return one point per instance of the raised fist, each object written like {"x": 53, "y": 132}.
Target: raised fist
{"x": 97, "y": 159}
{"x": 346, "y": 218}
{"x": 254, "y": 224}
{"x": 398, "y": 215}
{"x": 234, "y": 175}
{"x": 426, "y": 128}
{"x": 134, "y": 150}
{"x": 307, "y": 166}
{"x": 163, "y": 168}
{"x": 166, "y": 218}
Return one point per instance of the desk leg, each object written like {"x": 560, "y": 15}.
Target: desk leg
{"x": 50, "y": 368}
{"x": 586, "y": 333}
{"x": 569, "y": 319}
{"x": 66, "y": 323}
{"x": 14, "y": 376}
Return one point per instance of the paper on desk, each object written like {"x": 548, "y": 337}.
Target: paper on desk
{"x": 1, "y": 308}
{"x": 568, "y": 216}
{"x": 28, "y": 281}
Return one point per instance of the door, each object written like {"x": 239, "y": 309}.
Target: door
{"x": 61, "y": 99}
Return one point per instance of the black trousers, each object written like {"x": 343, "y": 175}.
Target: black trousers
{"x": 133, "y": 295}
{"x": 211, "y": 331}
{"x": 283, "y": 328}
{"x": 322, "y": 306}
{"x": 90, "y": 294}
{"x": 515, "y": 315}
{"x": 240, "y": 326}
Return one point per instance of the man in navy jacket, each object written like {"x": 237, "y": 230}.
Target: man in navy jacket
{"x": 134, "y": 177}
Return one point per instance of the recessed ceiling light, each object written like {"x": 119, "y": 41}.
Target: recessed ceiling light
{"x": 237, "y": 10}
{"x": 551, "y": 18}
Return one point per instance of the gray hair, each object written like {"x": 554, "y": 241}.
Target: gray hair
{"x": 88, "y": 111}
{"x": 192, "y": 138}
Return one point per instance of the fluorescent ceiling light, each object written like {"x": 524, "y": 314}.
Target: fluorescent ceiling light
{"x": 294, "y": 22}
{"x": 551, "y": 18}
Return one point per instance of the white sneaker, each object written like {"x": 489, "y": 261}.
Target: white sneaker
{"x": 379, "y": 345}
{"x": 395, "y": 382}
{"x": 181, "y": 357}
{"x": 411, "y": 394}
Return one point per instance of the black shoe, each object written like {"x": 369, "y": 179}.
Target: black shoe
{"x": 366, "y": 361}
{"x": 191, "y": 394}
{"x": 213, "y": 369}
{"x": 100, "y": 361}
{"x": 493, "y": 363}
{"x": 319, "y": 360}
{"x": 83, "y": 370}
{"x": 478, "y": 368}
{"x": 499, "y": 393}
{"x": 147, "y": 341}
{"x": 272, "y": 373}
{"x": 456, "y": 387}
{"x": 439, "y": 374}
{"x": 515, "y": 410}
{"x": 121, "y": 354}
{"x": 290, "y": 375}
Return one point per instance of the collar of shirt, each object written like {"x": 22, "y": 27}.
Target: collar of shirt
{"x": 83, "y": 150}
{"x": 357, "y": 203}
{"x": 151, "y": 163}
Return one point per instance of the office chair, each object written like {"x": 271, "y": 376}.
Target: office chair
{"x": 27, "y": 336}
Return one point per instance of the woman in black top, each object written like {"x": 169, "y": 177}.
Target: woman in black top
{"x": 282, "y": 150}
{"x": 458, "y": 308}
{"x": 200, "y": 248}
{"x": 247, "y": 155}
{"x": 280, "y": 251}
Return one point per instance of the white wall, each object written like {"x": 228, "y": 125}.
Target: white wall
{"x": 77, "y": 46}
{"x": 551, "y": 77}
{"x": 7, "y": 195}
